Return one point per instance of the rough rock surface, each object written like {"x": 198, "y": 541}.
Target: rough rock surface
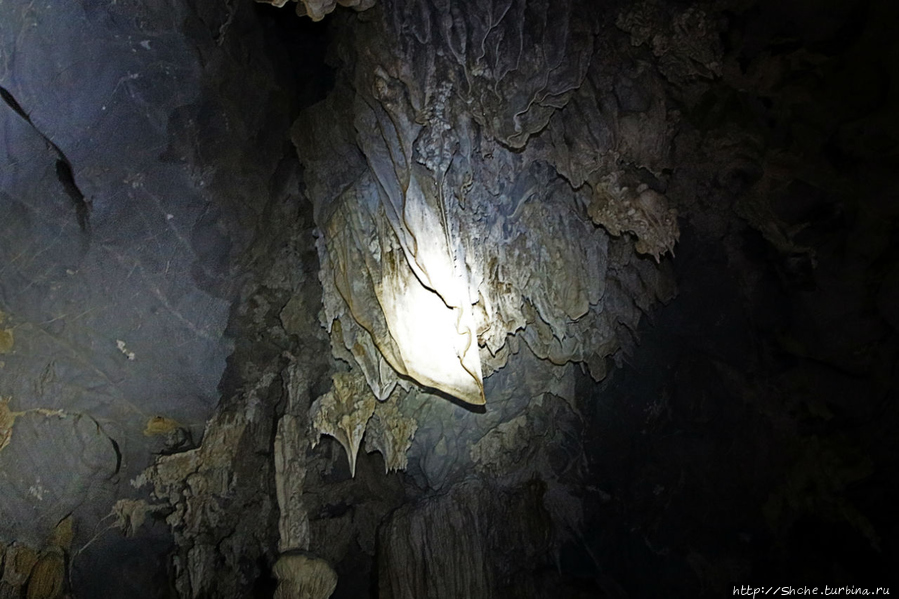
{"x": 53, "y": 464}
{"x": 126, "y": 212}
{"x": 429, "y": 550}
{"x": 471, "y": 237}
{"x": 302, "y": 577}
{"x": 344, "y": 412}
{"x": 442, "y": 230}
{"x": 318, "y": 9}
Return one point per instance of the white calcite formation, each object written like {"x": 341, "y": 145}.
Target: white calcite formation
{"x": 450, "y": 199}
{"x": 343, "y": 413}
{"x": 642, "y": 212}
{"x": 318, "y": 9}
{"x": 390, "y": 432}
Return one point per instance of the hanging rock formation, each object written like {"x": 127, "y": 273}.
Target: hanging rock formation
{"x": 447, "y": 298}
{"x": 442, "y": 229}
{"x": 344, "y": 412}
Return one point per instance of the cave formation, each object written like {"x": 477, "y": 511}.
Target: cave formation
{"x": 447, "y": 298}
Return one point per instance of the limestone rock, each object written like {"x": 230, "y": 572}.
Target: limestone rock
{"x": 303, "y": 577}
{"x": 443, "y": 229}
{"x": 391, "y": 433}
{"x": 685, "y": 41}
{"x": 130, "y": 514}
{"x": 18, "y": 564}
{"x": 343, "y": 413}
{"x": 291, "y": 442}
{"x": 78, "y": 214}
{"x": 192, "y": 480}
{"x": 318, "y": 9}
{"x": 530, "y": 410}
{"x": 6, "y": 421}
{"x": 290, "y": 473}
{"x": 501, "y": 446}
{"x": 216, "y": 513}
{"x": 466, "y": 543}
{"x": 47, "y": 576}
{"x": 643, "y": 212}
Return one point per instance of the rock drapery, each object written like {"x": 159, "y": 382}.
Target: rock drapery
{"x": 443, "y": 230}
{"x": 318, "y": 9}
{"x": 427, "y": 237}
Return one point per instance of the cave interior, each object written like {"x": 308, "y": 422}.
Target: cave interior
{"x": 445, "y": 299}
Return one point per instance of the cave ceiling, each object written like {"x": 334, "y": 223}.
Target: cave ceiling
{"x": 446, "y": 298}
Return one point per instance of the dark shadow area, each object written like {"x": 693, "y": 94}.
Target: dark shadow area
{"x": 708, "y": 466}
{"x": 118, "y": 567}
{"x": 297, "y": 47}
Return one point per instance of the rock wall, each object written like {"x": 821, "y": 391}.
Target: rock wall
{"x": 387, "y": 304}
{"x": 128, "y": 222}
{"x": 443, "y": 231}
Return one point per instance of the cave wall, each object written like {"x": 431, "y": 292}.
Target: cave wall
{"x": 444, "y": 299}
{"x": 107, "y": 326}
{"x": 127, "y": 212}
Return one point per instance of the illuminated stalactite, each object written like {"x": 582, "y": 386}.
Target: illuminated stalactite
{"x": 318, "y": 9}
{"x": 443, "y": 229}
